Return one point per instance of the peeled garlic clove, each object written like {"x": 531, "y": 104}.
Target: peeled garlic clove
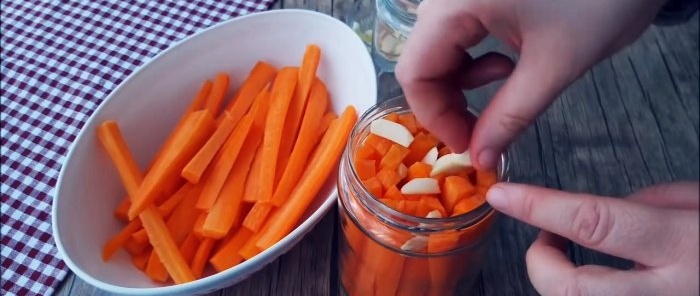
{"x": 421, "y": 186}
{"x": 451, "y": 163}
{"x": 391, "y": 131}
{"x": 416, "y": 243}
{"x": 431, "y": 157}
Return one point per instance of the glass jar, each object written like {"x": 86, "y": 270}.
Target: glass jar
{"x": 393, "y": 23}
{"x": 385, "y": 252}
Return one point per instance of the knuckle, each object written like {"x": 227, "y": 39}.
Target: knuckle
{"x": 513, "y": 123}
{"x": 592, "y": 223}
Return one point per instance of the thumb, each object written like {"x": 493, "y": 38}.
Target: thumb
{"x": 536, "y": 81}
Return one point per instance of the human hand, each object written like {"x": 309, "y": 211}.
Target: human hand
{"x": 558, "y": 41}
{"x": 657, "y": 228}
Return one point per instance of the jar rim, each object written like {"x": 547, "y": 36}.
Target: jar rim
{"x": 374, "y": 205}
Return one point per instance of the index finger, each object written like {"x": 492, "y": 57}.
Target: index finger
{"x": 616, "y": 227}
{"x": 427, "y": 70}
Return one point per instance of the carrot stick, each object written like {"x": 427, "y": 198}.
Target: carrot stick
{"x": 326, "y": 120}
{"x": 253, "y": 181}
{"x": 135, "y": 247}
{"x": 140, "y": 236}
{"x": 122, "y": 210}
{"x": 195, "y": 168}
{"x": 228, "y": 256}
{"x": 117, "y": 241}
{"x": 141, "y": 260}
{"x": 415, "y": 278}
{"x": 151, "y": 219}
{"x": 216, "y": 97}
{"x": 307, "y": 71}
{"x": 198, "y": 224}
{"x": 167, "y": 208}
{"x": 249, "y": 249}
{"x": 222, "y": 167}
{"x": 189, "y": 247}
{"x": 318, "y": 102}
{"x": 202, "y": 256}
{"x": 281, "y": 96}
{"x": 257, "y": 216}
{"x": 156, "y": 270}
{"x": 196, "y": 130}
{"x": 226, "y": 211}
{"x": 165, "y": 247}
{"x": 307, "y": 78}
{"x": 329, "y": 150}
{"x": 259, "y": 77}
{"x": 443, "y": 272}
{"x": 197, "y": 104}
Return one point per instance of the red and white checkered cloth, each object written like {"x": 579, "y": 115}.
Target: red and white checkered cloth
{"x": 60, "y": 59}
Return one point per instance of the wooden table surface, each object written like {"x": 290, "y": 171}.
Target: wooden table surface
{"x": 630, "y": 122}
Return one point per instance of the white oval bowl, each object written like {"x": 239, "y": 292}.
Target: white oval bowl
{"x": 148, "y": 103}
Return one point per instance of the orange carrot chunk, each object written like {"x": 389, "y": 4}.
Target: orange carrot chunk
{"x": 374, "y": 187}
{"x": 454, "y": 189}
{"x": 393, "y": 157}
{"x": 408, "y": 120}
{"x": 365, "y": 168}
{"x": 388, "y": 178}
{"x": 419, "y": 170}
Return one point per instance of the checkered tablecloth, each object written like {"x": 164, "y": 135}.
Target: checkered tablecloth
{"x": 60, "y": 59}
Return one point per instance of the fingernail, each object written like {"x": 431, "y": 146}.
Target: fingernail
{"x": 497, "y": 197}
{"x": 487, "y": 158}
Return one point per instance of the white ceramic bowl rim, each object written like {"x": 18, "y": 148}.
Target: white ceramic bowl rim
{"x": 211, "y": 280}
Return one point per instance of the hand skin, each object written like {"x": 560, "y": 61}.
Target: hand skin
{"x": 558, "y": 41}
{"x": 657, "y": 228}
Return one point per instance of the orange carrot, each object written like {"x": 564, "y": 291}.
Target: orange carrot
{"x": 226, "y": 211}
{"x": 196, "y": 130}
{"x": 421, "y": 144}
{"x": 228, "y": 256}
{"x": 218, "y": 91}
{"x": 415, "y": 278}
{"x": 454, "y": 189}
{"x": 151, "y": 219}
{"x": 388, "y": 178}
{"x": 122, "y": 210}
{"x": 307, "y": 71}
{"x": 140, "y": 236}
{"x": 258, "y": 78}
{"x": 167, "y": 208}
{"x": 165, "y": 247}
{"x": 392, "y": 117}
{"x": 195, "y": 167}
{"x": 281, "y": 96}
{"x": 318, "y": 102}
{"x": 188, "y": 247}
{"x": 253, "y": 181}
{"x": 394, "y": 193}
{"x": 393, "y": 157}
{"x": 307, "y": 77}
{"x": 156, "y": 270}
{"x": 134, "y": 247}
{"x": 468, "y": 204}
{"x": 443, "y": 276}
{"x": 365, "y": 168}
{"x": 379, "y": 144}
{"x": 374, "y": 186}
{"x": 408, "y": 120}
{"x": 141, "y": 260}
{"x": 419, "y": 170}
{"x": 329, "y": 150}
{"x": 326, "y": 120}
{"x": 221, "y": 168}
{"x": 444, "y": 150}
{"x": 257, "y": 216}
{"x": 202, "y": 256}
{"x": 249, "y": 249}
{"x": 117, "y": 241}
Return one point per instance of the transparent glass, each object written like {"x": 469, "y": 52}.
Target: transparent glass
{"x": 386, "y": 252}
{"x": 393, "y": 23}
